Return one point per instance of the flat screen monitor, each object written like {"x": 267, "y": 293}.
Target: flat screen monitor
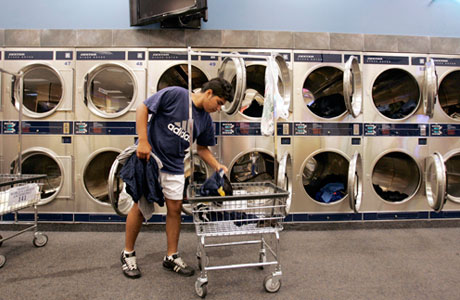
{"x": 143, "y": 12}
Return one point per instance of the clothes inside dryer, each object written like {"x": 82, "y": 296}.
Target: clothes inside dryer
{"x": 396, "y": 94}
{"x": 42, "y": 89}
{"x": 111, "y": 89}
{"x": 40, "y": 163}
{"x": 96, "y": 175}
{"x": 252, "y": 104}
{"x": 396, "y": 177}
{"x": 325, "y": 177}
{"x": 453, "y": 177}
{"x": 323, "y": 92}
{"x": 449, "y": 95}
{"x": 253, "y": 167}
{"x": 178, "y": 76}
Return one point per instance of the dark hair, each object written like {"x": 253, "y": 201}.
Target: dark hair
{"x": 220, "y": 88}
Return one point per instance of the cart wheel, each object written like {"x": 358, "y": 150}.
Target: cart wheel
{"x": 40, "y": 239}
{"x": 262, "y": 259}
{"x": 206, "y": 262}
{"x": 201, "y": 289}
{"x": 272, "y": 284}
{"x": 2, "y": 260}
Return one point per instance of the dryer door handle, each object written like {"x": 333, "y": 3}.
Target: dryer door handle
{"x": 85, "y": 90}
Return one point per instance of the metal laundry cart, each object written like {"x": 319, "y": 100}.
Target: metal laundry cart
{"x": 257, "y": 208}
{"x": 20, "y": 191}
{"x": 254, "y": 209}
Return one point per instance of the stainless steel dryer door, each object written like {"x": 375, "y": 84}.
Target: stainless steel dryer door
{"x": 110, "y": 90}
{"x": 436, "y": 181}
{"x": 430, "y": 88}
{"x": 355, "y": 182}
{"x": 353, "y": 87}
{"x": 43, "y": 90}
{"x": 233, "y": 70}
{"x": 120, "y": 200}
{"x": 284, "y": 178}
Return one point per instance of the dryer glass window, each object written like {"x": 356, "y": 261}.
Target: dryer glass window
{"x": 178, "y": 76}
{"x": 253, "y": 167}
{"x": 96, "y": 175}
{"x": 453, "y": 178}
{"x": 253, "y": 101}
{"x": 42, "y": 89}
{"x": 40, "y": 163}
{"x": 323, "y": 92}
{"x": 396, "y": 94}
{"x": 325, "y": 177}
{"x": 396, "y": 177}
{"x": 449, "y": 95}
{"x": 111, "y": 90}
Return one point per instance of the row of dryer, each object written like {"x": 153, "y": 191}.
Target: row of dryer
{"x": 361, "y": 127}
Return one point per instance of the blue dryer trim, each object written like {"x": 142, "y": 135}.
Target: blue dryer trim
{"x": 38, "y": 127}
{"x": 291, "y": 218}
{"x": 395, "y": 129}
{"x": 445, "y": 130}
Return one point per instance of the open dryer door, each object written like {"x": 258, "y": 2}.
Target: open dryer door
{"x": 436, "y": 181}
{"x": 59, "y": 178}
{"x": 201, "y": 172}
{"x": 430, "y": 87}
{"x": 353, "y": 87}
{"x": 284, "y": 178}
{"x": 355, "y": 182}
{"x": 120, "y": 200}
{"x": 233, "y": 70}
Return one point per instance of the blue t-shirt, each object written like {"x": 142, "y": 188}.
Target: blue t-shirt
{"x": 168, "y": 127}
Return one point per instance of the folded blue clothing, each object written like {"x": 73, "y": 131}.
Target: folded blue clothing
{"x": 142, "y": 178}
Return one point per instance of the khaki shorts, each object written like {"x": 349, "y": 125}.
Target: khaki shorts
{"x": 173, "y": 185}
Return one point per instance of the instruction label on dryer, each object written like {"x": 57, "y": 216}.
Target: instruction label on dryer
{"x": 317, "y": 57}
{"x": 446, "y": 62}
{"x": 27, "y": 55}
{"x": 101, "y": 55}
{"x": 158, "y": 55}
{"x": 386, "y": 60}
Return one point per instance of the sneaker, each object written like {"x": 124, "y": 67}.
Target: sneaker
{"x": 176, "y": 264}
{"x": 129, "y": 265}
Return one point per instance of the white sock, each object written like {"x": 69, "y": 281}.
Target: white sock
{"x": 128, "y": 252}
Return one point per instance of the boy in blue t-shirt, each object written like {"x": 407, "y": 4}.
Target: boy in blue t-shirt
{"x": 166, "y": 135}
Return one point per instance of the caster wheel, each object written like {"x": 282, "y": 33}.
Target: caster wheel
{"x": 2, "y": 260}
{"x": 272, "y": 284}
{"x": 40, "y": 239}
{"x": 262, "y": 259}
{"x": 201, "y": 289}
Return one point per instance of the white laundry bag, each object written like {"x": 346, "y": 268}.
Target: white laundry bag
{"x": 274, "y": 105}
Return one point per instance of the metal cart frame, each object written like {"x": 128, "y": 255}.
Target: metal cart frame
{"x": 20, "y": 191}
{"x": 254, "y": 209}
{"x": 264, "y": 202}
